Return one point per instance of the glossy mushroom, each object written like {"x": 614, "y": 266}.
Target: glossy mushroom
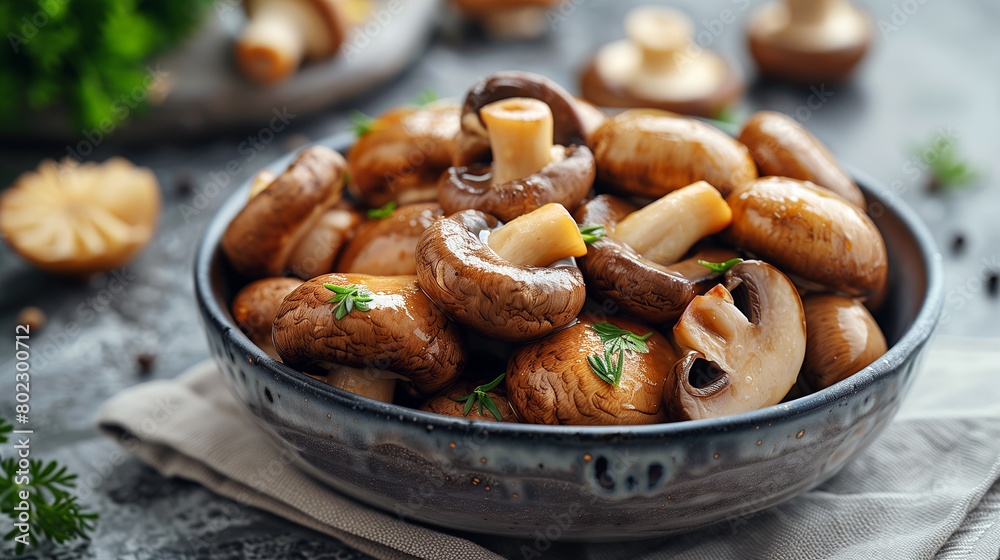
{"x": 550, "y": 381}
{"x": 843, "y": 339}
{"x": 451, "y": 403}
{"x": 638, "y": 262}
{"x": 386, "y": 246}
{"x": 403, "y": 154}
{"x": 255, "y": 306}
{"x": 810, "y": 233}
{"x": 782, "y": 147}
{"x": 510, "y": 283}
{"x": 743, "y": 343}
{"x": 397, "y": 334}
{"x": 297, "y": 223}
{"x": 660, "y": 66}
{"x": 648, "y": 152}
{"x": 809, "y": 41}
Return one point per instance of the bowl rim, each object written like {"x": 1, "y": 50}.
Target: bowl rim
{"x": 918, "y": 333}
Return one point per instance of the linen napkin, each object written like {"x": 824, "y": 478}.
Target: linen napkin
{"x": 927, "y": 487}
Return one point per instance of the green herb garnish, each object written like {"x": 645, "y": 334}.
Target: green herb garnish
{"x": 616, "y": 340}
{"x": 361, "y": 123}
{"x": 722, "y": 266}
{"x": 479, "y": 396}
{"x": 348, "y": 298}
{"x": 382, "y": 213}
{"x": 948, "y": 170}
{"x": 5, "y": 429}
{"x": 592, "y": 233}
{"x": 425, "y": 97}
{"x": 726, "y": 115}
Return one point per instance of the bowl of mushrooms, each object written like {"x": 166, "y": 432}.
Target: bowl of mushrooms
{"x": 514, "y": 310}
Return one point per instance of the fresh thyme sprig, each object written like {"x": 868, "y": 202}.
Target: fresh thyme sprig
{"x": 479, "y": 396}
{"x": 361, "y": 123}
{"x": 425, "y": 97}
{"x": 348, "y": 298}
{"x": 722, "y": 266}
{"x": 616, "y": 340}
{"x": 592, "y": 233}
{"x": 948, "y": 170}
{"x": 383, "y": 212}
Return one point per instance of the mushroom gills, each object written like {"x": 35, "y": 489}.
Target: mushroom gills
{"x": 520, "y": 130}
{"x": 539, "y": 238}
{"x": 373, "y": 383}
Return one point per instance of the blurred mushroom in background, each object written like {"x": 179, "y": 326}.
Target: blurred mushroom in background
{"x": 508, "y": 19}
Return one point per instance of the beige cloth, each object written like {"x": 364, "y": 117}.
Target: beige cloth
{"x": 926, "y": 488}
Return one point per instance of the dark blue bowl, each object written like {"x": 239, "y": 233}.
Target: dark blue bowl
{"x": 590, "y": 483}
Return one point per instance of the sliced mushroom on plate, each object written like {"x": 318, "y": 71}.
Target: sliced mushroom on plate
{"x": 366, "y": 332}
{"x": 385, "y": 246}
{"x": 843, "y": 339}
{"x": 511, "y": 283}
{"x": 255, "y": 306}
{"x": 743, "y": 343}
{"x": 648, "y": 152}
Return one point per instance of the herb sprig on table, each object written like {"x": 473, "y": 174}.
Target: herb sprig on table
{"x": 618, "y": 341}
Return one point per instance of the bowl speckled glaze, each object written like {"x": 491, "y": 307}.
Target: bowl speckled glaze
{"x": 593, "y": 483}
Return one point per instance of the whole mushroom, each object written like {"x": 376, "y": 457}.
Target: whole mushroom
{"x": 843, "y": 339}
{"x": 551, "y": 381}
{"x": 743, "y": 343}
{"x": 366, "y": 332}
{"x": 648, "y": 152}
{"x": 509, "y": 19}
{"x": 782, "y": 147}
{"x": 386, "y": 246}
{"x": 512, "y": 282}
{"x": 481, "y": 401}
{"x": 255, "y": 307}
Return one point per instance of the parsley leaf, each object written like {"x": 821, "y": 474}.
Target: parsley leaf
{"x": 348, "y": 298}
{"x": 722, "y": 266}
{"x": 383, "y": 212}
{"x": 592, "y": 233}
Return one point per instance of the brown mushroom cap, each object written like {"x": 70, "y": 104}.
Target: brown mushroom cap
{"x": 329, "y": 20}
{"x": 648, "y": 152}
{"x": 318, "y": 249}
{"x": 402, "y": 157}
{"x": 642, "y": 288}
{"x": 743, "y": 345}
{"x": 386, "y": 247}
{"x": 446, "y": 404}
{"x": 472, "y": 143}
{"x": 261, "y": 237}
{"x": 564, "y": 182}
{"x": 811, "y": 233}
{"x": 403, "y": 331}
{"x": 255, "y": 306}
{"x": 843, "y": 339}
{"x": 479, "y": 289}
{"x": 781, "y": 146}
{"x": 549, "y": 381}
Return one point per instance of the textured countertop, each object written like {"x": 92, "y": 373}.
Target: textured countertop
{"x": 933, "y": 73}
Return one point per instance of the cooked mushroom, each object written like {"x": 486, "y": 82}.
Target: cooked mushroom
{"x": 648, "y": 152}
{"x": 402, "y": 155}
{"x": 80, "y": 218}
{"x": 295, "y": 223}
{"x": 527, "y": 172}
{"x": 843, "y": 338}
{"x": 283, "y": 32}
{"x": 551, "y": 381}
{"x": 367, "y": 332}
{"x": 255, "y": 306}
{"x": 809, "y": 41}
{"x": 635, "y": 264}
{"x": 743, "y": 344}
{"x": 509, "y": 19}
{"x": 456, "y": 400}
{"x": 386, "y": 246}
{"x": 659, "y": 66}
{"x": 781, "y": 146}
{"x": 509, "y": 283}
{"x": 811, "y": 233}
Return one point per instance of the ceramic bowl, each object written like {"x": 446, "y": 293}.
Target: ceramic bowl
{"x": 591, "y": 483}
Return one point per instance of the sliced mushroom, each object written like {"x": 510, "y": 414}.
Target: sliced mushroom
{"x": 659, "y": 66}
{"x": 811, "y": 233}
{"x": 781, "y": 146}
{"x": 648, "y": 152}
{"x": 449, "y": 403}
{"x": 743, "y": 344}
{"x": 286, "y": 228}
{"x": 386, "y": 246}
{"x": 255, "y": 306}
{"x": 809, "y": 41}
{"x": 401, "y": 158}
{"x": 527, "y": 172}
{"x": 511, "y": 282}
{"x": 397, "y": 334}
{"x": 636, "y": 263}
{"x": 550, "y": 381}
{"x": 843, "y": 339}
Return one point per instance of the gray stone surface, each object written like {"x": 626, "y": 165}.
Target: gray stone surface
{"x": 935, "y": 71}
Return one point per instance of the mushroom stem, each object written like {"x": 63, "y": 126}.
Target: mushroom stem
{"x": 527, "y": 22}
{"x": 664, "y": 230}
{"x": 539, "y": 238}
{"x": 520, "y": 133}
{"x": 372, "y": 383}
{"x": 261, "y": 181}
{"x": 662, "y": 34}
{"x": 808, "y": 12}
{"x": 274, "y": 42}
